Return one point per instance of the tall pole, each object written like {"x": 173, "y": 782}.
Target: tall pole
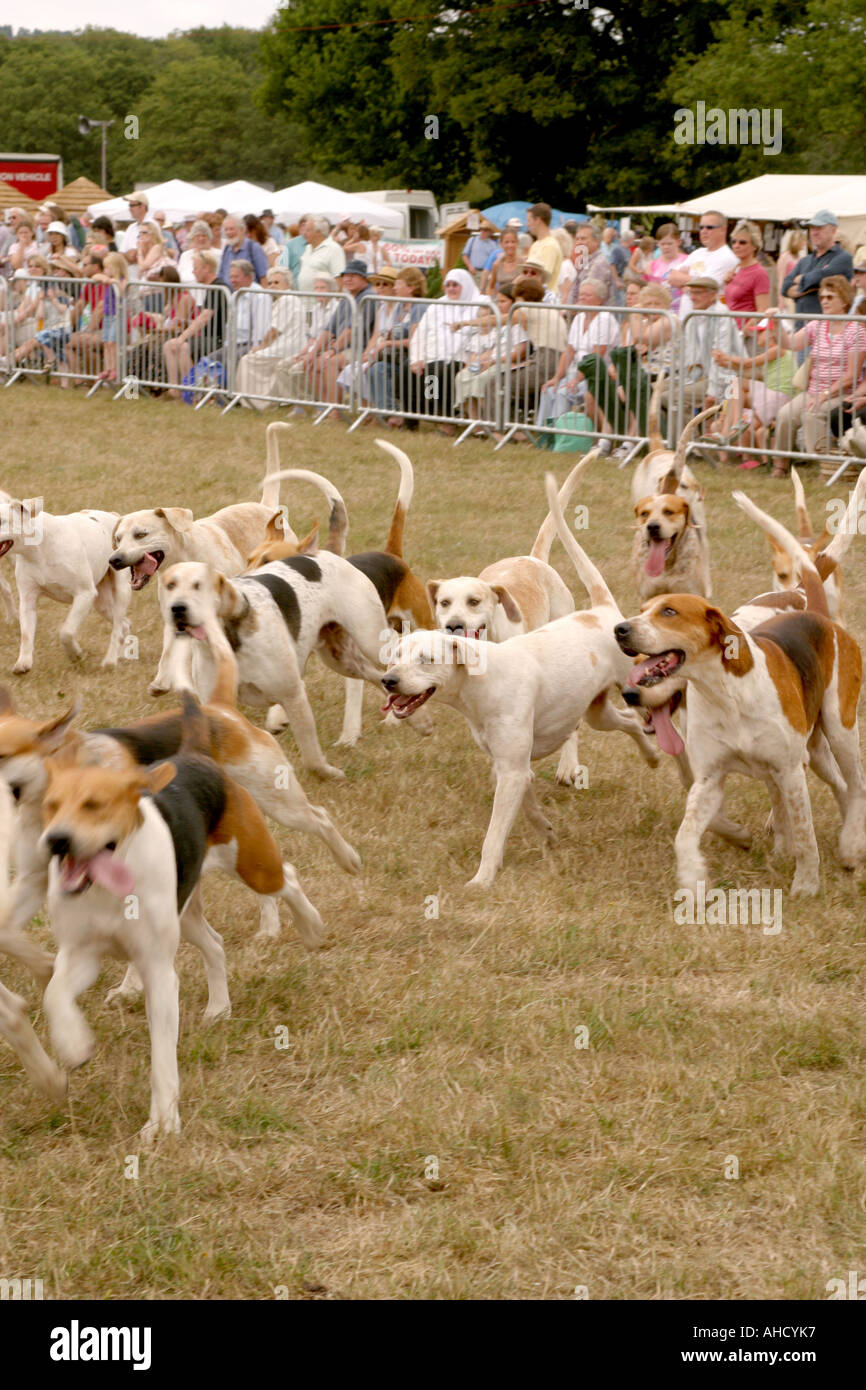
{"x": 104, "y": 137}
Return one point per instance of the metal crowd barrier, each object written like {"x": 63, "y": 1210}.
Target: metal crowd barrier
{"x": 750, "y": 363}
{"x": 587, "y": 371}
{"x": 177, "y": 338}
{"x": 548, "y": 370}
{"x": 54, "y": 324}
{"x": 291, "y": 347}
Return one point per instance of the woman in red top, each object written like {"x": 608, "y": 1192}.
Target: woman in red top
{"x": 747, "y": 289}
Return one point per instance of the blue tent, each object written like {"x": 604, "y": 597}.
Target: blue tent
{"x": 501, "y": 212}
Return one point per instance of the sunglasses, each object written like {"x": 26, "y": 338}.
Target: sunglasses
{"x": 709, "y": 226}
{"x": 136, "y": 205}
{"x": 741, "y": 241}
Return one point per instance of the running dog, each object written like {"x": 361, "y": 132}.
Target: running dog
{"x": 512, "y": 597}
{"x": 763, "y": 703}
{"x": 66, "y": 558}
{"x": 522, "y": 698}
{"x": 139, "y": 839}
{"x": 786, "y": 570}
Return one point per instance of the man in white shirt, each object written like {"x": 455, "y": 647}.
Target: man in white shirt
{"x": 591, "y": 331}
{"x": 252, "y": 309}
{"x": 713, "y": 258}
{"x": 128, "y": 241}
{"x": 546, "y": 250}
{"x": 322, "y": 255}
{"x": 710, "y": 330}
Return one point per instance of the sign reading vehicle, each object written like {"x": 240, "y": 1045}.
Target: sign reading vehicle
{"x": 38, "y": 176}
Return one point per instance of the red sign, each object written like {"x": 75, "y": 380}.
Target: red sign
{"x": 37, "y": 178}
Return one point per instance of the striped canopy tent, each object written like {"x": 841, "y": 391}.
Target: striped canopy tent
{"x": 11, "y": 198}
{"x": 77, "y": 196}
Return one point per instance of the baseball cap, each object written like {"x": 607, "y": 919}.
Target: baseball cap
{"x": 860, "y": 258}
{"x": 59, "y": 227}
{"x": 824, "y": 219}
{"x": 137, "y": 198}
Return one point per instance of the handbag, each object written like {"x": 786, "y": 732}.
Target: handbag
{"x": 208, "y": 373}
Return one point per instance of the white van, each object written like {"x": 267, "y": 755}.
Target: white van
{"x": 418, "y": 206}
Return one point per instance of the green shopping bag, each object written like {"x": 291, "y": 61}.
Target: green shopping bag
{"x": 569, "y": 443}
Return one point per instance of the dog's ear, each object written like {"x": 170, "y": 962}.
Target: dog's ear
{"x": 6, "y": 705}
{"x": 512, "y": 608}
{"x": 34, "y": 506}
{"x": 153, "y": 779}
{"x": 276, "y": 529}
{"x": 53, "y": 733}
{"x": 180, "y": 518}
{"x": 310, "y": 544}
{"x": 433, "y": 586}
{"x": 821, "y": 543}
{"x": 67, "y": 749}
{"x": 229, "y": 599}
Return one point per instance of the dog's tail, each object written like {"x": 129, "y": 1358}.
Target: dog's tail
{"x": 394, "y": 543}
{"x": 338, "y": 518}
{"x": 654, "y": 428}
{"x": 679, "y": 460}
{"x": 195, "y": 728}
{"x": 848, "y": 526}
{"x": 225, "y": 690}
{"x": 804, "y": 521}
{"x": 816, "y": 599}
{"x": 271, "y": 485}
{"x": 591, "y": 578}
{"x": 547, "y": 531}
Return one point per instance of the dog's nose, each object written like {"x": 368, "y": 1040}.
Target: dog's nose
{"x": 622, "y": 631}
{"x": 631, "y": 697}
{"x": 390, "y": 682}
{"x": 59, "y": 844}
{"x": 116, "y": 560}
{"x": 178, "y": 610}
{"x": 654, "y": 531}
{"x": 455, "y": 627}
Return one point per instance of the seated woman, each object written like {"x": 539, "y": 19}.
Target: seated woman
{"x": 204, "y": 335}
{"x": 838, "y": 356}
{"x": 23, "y": 247}
{"x": 671, "y": 257}
{"x": 487, "y": 351}
{"x": 547, "y": 336}
{"x": 766, "y": 384}
{"x": 149, "y": 330}
{"x": 618, "y": 387}
{"x": 46, "y": 345}
{"x": 294, "y": 373}
{"x": 258, "y": 371}
{"x": 427, "y": 385}
{"x": 391, "y": 347}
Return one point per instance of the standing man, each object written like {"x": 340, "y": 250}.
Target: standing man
{"x": 480, "y": 252}
{"x": 617, "y": 257}
{"x": 591, "y": 264}
{"x": 128, "y": 240}
{"x": 322, "y": 255}
{"x": 711, "y": 260}
{"x": 273, "y": 230}
{"x": 547, "y": 250}
{"x": 827, "y": 258}
{"x": 240, "y": 247}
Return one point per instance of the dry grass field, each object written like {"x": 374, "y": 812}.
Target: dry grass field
{"x": 310, "y": 1169}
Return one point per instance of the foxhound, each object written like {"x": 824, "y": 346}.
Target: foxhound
{"x": 671, "y": 550}
{"x": 524, "y": 697}
{"x": 763, "y": 704}
{"x": 273, "y": 619}
{"x": 403, "y": 595}
{"x": 66, "y": 558}
{"x": 127, "y": 849}
{"x": 786, "y": 570}
{"x": 512, "y": 597}
{"x": 15, "y": 1026}
{"x": 250, "y": 756}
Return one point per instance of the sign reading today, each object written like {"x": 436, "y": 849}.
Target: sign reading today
{"x": 423, "y": 254}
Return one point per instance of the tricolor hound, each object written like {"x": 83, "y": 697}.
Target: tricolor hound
{"x": 762, "y": 703}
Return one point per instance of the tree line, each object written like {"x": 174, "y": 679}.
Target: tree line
{"x": 552, "y": 99}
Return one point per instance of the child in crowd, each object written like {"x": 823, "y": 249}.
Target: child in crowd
{"x": 115, "y": 274}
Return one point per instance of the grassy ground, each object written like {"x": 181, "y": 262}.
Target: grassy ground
{"x": 432, "y": 1130}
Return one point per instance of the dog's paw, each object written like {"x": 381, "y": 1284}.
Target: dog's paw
{"x": 276, "y": 720}
{"x": 71, "y": 648}
{"x": 75, "y": 1052}
{"x": 156, "y": 690}
{"x": 328, "y": 773}
{"x": 349, "y": 860}
{"x": 108, "y": 662}
{"x": 21, "y": 667}
{"x": 348, "y": 740}
{"x": 217, "y": 1009}
{"x": 480, "y": 882}
{"x": 154, "y": 1129}
{"x": 805, "y": 885}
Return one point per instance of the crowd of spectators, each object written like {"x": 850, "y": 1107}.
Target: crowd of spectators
{"x": 535, "y": 311}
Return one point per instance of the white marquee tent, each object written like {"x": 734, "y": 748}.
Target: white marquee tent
{"x": 237, "y": 198}
{"x": 176, "y": 198}
{"x": 778, "y": 198}
{"x": 331, "y": 203}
